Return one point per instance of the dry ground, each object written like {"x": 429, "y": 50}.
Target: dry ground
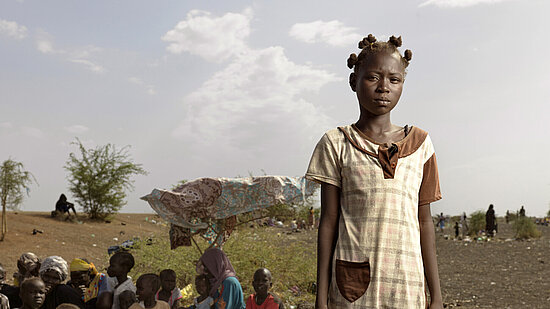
{"x": 70, "y": 239}
{"x": 495, "y": 274}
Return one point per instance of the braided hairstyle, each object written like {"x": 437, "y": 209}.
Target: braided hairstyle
{"x": 369, "y": 46}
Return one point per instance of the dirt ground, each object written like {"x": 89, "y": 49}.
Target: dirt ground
{"x": 71, "y": 239}
{"x": 502, "y": 273}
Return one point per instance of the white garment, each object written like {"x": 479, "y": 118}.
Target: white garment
{"x": 117, "y": 290}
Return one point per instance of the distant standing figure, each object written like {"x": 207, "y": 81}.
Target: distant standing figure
{"x": 441, "y": 222}
{"x": 63, "y": 206}
{"x": 490, "y": 221}
{"x": 464, "y": 223}
{"x": 507, "y": 217}
{"x": 311, "y": 218}
{"x": 457, "y": 229}
{"x": 522, "y": 211}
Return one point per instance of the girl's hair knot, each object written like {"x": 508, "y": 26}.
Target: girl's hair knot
{"x": 352, "y": 60}
{"x": 397, "y": 42}
{"x": 408, "y": 55}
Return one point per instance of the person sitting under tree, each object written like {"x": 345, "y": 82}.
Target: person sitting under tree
{"x": 63, "y": 206}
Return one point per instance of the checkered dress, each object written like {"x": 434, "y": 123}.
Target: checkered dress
{"x": 377, "y": 260}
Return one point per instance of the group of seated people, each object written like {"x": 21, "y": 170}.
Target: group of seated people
{"x": 52, "y": 283}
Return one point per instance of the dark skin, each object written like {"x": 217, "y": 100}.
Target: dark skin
{"x": 126, "y": 299}
{"x": 203, "y": 287}
{"x": 262, "y": 283}
{"x": 378, "y": 84}
{"x": 80, "y": 280}
{"x": 33, "y": 294}
{"x": 146, "y": 292}
{"x": 168, "y": 283}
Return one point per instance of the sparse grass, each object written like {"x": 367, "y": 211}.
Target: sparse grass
{"x": 290, "y": 258}
{"x": 525, "y": 228}
{"x": 476, "y": 222}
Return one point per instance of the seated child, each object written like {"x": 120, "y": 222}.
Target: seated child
{"x": 120, "y": 265}
{"x": 263, "y": 299}
{"x": 32, "y": 293}
{"x": 169, "y": 292}
{"x": 147, "y": 287}
{"x": 126, "y": 299}
{"x": 204, "y": 301}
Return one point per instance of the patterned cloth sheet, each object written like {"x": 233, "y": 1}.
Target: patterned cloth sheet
{"x": 210, "y": 205}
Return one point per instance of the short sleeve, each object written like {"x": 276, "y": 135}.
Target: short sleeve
{"x": 429, "y": 188}
{"x": 324, "y": 165}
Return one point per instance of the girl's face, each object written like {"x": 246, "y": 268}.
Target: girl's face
{"x": 380, "y": 83}
{"x": 116, "y": 268}
{"x": 201, "y": 284}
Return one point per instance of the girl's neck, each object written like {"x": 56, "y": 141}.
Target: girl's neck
{"x": 260, "y": 298}
{"x": 121, "y": 279}
{"x": 377, "y": 124}
{"x": 149, "y": 303}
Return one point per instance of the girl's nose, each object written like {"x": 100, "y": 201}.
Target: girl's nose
{"x": 383, "y": 86}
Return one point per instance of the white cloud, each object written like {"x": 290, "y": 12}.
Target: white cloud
{"x": 6, "y": 125}
{"x": 77, "y": 129}
{"x": 32, "y": 132}
{"x": 331, "y": 32}
{"x": 213, "y": 38}
{"x": 150, "y": 89}
{"x": 44, "y": 43}
{"x": 12, "y": 29}
{"x": 254, "y": 104}
{"x": 96, "y": 68}
{"x": 457, "y": 3}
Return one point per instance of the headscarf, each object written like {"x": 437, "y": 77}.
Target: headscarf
{"x": 81, "y": 265}
{"x": 56, "y": 263}
{"x": 28, "y": 261}
{"x": 93, "y": 288}
{"x": 215, "y": 260}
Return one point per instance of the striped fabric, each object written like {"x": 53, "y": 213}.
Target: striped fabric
{"x": 379, "y": 216}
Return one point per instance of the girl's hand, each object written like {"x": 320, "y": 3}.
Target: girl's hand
{"x": 4, "y": 302}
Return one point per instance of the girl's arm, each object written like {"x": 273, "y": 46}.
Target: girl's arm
{"x": 427, "y": 243}
{"x": 326, "y": 241}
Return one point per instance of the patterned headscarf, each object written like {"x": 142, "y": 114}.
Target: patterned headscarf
{"x": 92, "y": 290}
{"x": 217, "y": 263}
{"x": 56, "y": 263}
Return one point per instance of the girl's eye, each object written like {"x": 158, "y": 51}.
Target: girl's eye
{"x": 372, "y": 77}
{"x": 395, "y": 80}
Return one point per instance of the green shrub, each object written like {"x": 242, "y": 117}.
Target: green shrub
{"x": 290, "y": 258}
{"x": 525, "y": 228}
{"x": 477, "y": 222}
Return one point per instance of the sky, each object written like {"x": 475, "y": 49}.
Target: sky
{"x": 237, "y": 88}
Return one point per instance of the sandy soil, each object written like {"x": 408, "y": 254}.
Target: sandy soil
{"x": 502, "y": 273}
{"x": 70, "y": 239}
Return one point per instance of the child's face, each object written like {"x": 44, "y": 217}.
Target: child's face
{"x": 51, "y": 279}
{"x": 116, "y": 268}
{"x": 380, "y": 83}
{"x": 168, "y": 282}
{"x": 80, "y": 277}
{"x": 201, "y": 284}
{"x": 126, "y": 299}
{"x": 144, "y": 290}
{"x": 34, "y": 294}
{"x": 262, "y": 283}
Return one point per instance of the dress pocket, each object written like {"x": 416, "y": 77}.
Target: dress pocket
{"x": 352, "y": 279}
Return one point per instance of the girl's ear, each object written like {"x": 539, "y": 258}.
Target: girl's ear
{"x": 353, "y": 81}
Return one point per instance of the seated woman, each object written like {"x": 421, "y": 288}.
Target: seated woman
{"x": 63, "y": 206}
{"x": 90, "y": 284}
{"x": 225, "y": 289}
{"x": 53, "y": 272}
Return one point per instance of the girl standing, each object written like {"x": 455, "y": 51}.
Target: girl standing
{"x": 376, "y": 241}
